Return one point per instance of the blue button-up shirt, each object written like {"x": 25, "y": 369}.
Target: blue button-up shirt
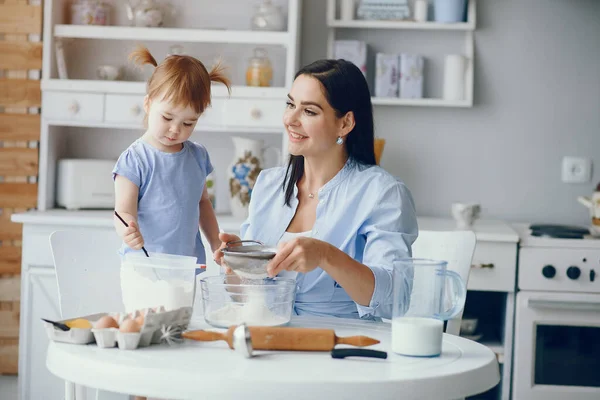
{"x": 363, "y": 211}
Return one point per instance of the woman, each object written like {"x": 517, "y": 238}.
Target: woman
{"x": 338, "y": 219}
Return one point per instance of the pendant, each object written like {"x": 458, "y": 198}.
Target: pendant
{"x": 311, "y": 196}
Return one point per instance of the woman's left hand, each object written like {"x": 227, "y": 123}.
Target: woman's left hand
{"x": 300, "y": 254}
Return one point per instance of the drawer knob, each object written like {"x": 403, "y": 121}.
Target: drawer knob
{"x": 255, "y": 113}
{"x": 136, "y": 110}
{"x": 74, "y": 107}
{"x": 482, "y": 266}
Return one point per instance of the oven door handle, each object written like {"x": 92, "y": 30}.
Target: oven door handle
{"x": 564, "y": 305}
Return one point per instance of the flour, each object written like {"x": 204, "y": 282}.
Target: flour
{"x": 254, "y": 312}
{"x": 140, "y": 292}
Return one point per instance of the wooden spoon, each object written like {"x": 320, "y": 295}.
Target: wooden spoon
{"x": 278, "y": 338}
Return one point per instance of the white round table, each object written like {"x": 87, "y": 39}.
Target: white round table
{"x": 195, "y": 370}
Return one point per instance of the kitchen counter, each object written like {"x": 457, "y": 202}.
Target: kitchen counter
{"x": 97, "y": 218}
{"x": 485, "y": 230}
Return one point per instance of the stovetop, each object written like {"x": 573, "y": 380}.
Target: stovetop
{"x": 538, "y": 238}
{"x": 553, "y": 264}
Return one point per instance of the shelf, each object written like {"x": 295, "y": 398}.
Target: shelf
{"x": 392, "y": 101}
{"x": 198, "y": 128}
{"x": 408, "y": 25}
{"x": 128, "y": 87}
{"x": 172, "y": 34}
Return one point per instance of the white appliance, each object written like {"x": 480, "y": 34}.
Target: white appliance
{"x": 85, "y": 183}
{"x": 557, "y": 327}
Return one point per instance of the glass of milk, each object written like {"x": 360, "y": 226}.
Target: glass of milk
{"x": 425, "y": 295}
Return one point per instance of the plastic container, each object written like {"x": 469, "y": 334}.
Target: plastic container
{"x": 159, "y": 280}
{"x": 449, "y": 11}
{"x": 230, "y": 300}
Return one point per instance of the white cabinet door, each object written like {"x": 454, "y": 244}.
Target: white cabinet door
{"x": 39, "y": 300}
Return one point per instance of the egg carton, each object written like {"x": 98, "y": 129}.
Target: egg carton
{"x": 151, "y": 331}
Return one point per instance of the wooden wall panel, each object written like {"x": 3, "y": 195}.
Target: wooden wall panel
{"x": 24, "y": 127}
{"x": 20, "y": 55}
{"x": 20, "y": 18}
{"x": 9, "y": 230}
{"x": 20, "y": 93}
{"x": 18, "y": 162}
{"x": 21, "y": 194}
{"x": 9, "y": 356}
{"x": 9, "y": 319}
{"x": 20, "y": 64}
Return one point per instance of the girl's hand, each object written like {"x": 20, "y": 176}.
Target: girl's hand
{"x": 300, "y": 254}
{"x": 132, "y": 236}
{"x": 218, "y": 255}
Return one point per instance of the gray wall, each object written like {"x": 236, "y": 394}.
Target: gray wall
{"x": 537, "y": 95}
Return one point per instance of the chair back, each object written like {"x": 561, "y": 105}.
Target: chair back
{"x": 87, "y": 271}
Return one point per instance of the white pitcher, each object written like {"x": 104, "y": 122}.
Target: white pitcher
{"x": 247, "y": 163}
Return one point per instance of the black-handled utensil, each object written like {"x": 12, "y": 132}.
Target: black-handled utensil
{"x": 58, "y": 325}
{"x": 127, "y": 226}
{"x": 343, "y": 353}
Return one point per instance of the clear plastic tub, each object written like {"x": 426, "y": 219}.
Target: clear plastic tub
{"x": 230, "y": 300}
{"x": 159, "y": 280}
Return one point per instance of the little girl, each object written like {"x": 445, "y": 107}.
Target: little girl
{"x": 160, "y": 180}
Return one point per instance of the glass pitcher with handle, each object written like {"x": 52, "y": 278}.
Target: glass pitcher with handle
{"x": 426, "y": 293}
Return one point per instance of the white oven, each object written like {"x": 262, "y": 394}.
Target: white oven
{"x": 557, "y": 327}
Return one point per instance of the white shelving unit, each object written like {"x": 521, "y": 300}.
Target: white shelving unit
{"x": 110, "y": 105}
{"x": 469, "y": 49}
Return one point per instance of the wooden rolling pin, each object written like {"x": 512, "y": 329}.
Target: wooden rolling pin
{"x": 277, "y": 338}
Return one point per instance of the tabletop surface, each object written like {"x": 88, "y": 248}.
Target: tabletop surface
{"x": 194, "y": 370}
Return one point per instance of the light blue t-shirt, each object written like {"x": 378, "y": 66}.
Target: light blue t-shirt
{"x": 363, "y": 211}
{"x": 170, "y": 187}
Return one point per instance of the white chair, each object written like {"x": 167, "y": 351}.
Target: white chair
{"x": 454, "y": 247}
{"x": 88, "y": 275}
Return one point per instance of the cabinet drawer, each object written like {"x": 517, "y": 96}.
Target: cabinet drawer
{"x": 213, "y": 115}
{"x": 254, "y": 113}
{"x": 73, "y": 106}
{"x": 124, "y": 109}
{"x": 494, "y": 267}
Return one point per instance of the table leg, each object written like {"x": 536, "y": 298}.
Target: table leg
{"x": 69, "y": 390}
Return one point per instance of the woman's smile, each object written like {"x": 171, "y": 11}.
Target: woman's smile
{"x": 296, "y": 137}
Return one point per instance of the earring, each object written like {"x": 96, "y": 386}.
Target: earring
{"x": 339, "y": 140}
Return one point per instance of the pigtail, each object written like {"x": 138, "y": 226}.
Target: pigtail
{"x": 217, "y": 74}
{"x": 141, "y": 55}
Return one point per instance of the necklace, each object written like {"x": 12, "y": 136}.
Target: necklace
{"x": 311, "y": 196}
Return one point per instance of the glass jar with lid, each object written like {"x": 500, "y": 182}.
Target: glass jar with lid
{"x": 268, "y": 17}
{"x": 259, "y": 71}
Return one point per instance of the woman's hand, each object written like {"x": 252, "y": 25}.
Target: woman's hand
{"x": 132, "y": 236}
{"x": 218, "y": 255}
{"x": 300, "y": 254}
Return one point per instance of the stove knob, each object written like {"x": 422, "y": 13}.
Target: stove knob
{"x": 592, "y": 275}
{"x": 573, "y": 272}
{"x": 549, "y": 271}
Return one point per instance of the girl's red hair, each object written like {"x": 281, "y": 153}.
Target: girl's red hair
{"x": 182, "y": 80}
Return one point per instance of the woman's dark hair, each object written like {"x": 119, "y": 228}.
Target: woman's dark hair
{"x": 346, "y": 89}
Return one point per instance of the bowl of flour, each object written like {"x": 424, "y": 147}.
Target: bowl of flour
{"x": 159, "y": 280}
{"x": 231, "y": 300}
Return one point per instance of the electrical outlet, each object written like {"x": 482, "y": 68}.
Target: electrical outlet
{"x": 576, "y": 170}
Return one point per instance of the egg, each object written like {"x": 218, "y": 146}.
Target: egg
{"x": 129, "y": 326}
{"x": 139, "y": 320}
{"x": 106, "y": 322}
